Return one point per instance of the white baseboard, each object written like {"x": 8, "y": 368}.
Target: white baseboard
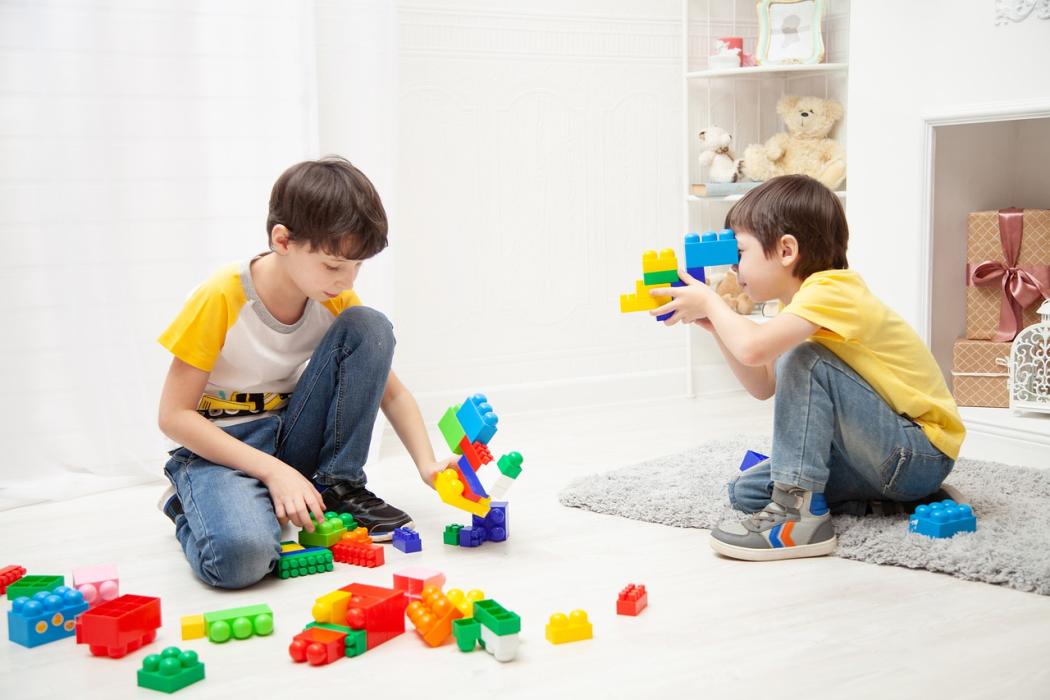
{"x": 995, "y": 434}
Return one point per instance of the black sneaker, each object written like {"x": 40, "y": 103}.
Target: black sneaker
{"x": 369, "y": 510}
{"x": 169, "y": 503}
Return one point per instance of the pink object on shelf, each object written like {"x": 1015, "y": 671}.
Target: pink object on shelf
{"x": 99, "y": 583}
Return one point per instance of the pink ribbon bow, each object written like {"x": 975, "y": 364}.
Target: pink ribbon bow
{"x": 1022, "y": 285}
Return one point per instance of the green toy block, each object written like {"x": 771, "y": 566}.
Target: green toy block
{"x": 304, "y": 562}
{"x": 170, "y": 670}
{"x": 497, "y": 618}
{"x": 325, "y": 534}
{"x": 356, "y": 640}
{"x": 467, "y": 632}
{"x": 239, "y": 623}
{"x": 29, "y": 585}
{"x": 662, "y": 277}
{"x": 451, "y": 429}
{"x": 452, "y": 534}
{"x": 510, "y": 464}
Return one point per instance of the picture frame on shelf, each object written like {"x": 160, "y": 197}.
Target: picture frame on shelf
{"x": 789, "y": 32}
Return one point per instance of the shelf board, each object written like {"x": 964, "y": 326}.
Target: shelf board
{"x": 758, "y": 72}
{"x": 841, "y": 194}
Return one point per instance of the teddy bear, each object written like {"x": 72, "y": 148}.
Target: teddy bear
{"x": 732, "y": 294}
{"x": 805, "y": 148}
{"x": 723, "y": 165}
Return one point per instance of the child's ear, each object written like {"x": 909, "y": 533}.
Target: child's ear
{"x": 280, "y": 238}
{"x": 788, "y": 250}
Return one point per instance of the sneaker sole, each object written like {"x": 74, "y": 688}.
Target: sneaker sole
{"x": 388, "y": 536}
{"x": 818, "y": 549}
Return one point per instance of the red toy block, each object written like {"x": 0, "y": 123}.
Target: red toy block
{"x": 120, "y": 626}
{"x": 632, "y": 600}
{"x": 358, "y": 554}
{"x": 378, "y": 611}
{"x": 477, "y": 453}
{"x": 10, "y": 574}
{"x": 317, "y": 645}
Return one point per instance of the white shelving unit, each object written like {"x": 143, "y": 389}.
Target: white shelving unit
{"x": 743, "y": 100}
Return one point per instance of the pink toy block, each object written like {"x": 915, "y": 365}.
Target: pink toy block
{"x": 413, "y": 580}
{"x": 99, "y": 583}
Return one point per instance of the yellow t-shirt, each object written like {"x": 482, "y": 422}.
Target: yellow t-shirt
{"x": 883, "y": 349}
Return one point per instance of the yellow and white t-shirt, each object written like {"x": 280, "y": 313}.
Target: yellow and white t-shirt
{"x": 882, "y": 348}
{"x": 255, "y": 361}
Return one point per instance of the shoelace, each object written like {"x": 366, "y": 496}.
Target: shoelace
{"x": 367, "y": 498}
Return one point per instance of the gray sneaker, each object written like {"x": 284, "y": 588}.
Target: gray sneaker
{"x": 795, "y": 524}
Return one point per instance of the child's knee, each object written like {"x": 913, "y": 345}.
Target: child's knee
{"x": 239, "y": 560}
{"x": 371, "y": 328}
{"x": 750, "y": 494}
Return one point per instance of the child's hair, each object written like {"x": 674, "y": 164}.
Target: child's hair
{"x": 800, "y": 206}
{"x": 331, "y": 205}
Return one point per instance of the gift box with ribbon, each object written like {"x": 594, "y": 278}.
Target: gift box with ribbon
{"x": 979, "y": 373}
{"x": 1007, "y": 271}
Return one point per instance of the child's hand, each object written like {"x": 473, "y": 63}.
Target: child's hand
{"x": 428, "y": 471}
{"x": 294, "y": 496}
{"x": 688, "y": 303}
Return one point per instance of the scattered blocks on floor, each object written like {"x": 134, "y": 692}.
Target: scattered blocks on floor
{"x": 574, "y": 628}
{"x": 632, "y": 600}
{"x": 47, "y": 616}
{"x": 233, "y": 623}
{"x": 465, "y": 601}
{"x": 28, "y": 586}
{"x": 171, "y": 670}
{"x": 432, "y": 616}
{"x": 751, "y": 458}
{"x": 303, "y": 562}
{"x": 9, "y": 574}
{"x": 943, "y": 519}
{"x": 120, "y": 626}
{"x": 358, "y": 554}
{"x": 99, "y": 584}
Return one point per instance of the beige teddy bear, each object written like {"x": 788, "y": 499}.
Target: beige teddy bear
{"x": 805, "y": 149}
{"x": 733, "y": 294}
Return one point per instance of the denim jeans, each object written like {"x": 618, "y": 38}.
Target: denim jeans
{"x": 833, "y": 434}
{"x": 229, "y": 531}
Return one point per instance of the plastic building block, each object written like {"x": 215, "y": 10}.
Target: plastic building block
{"x": 474, "y": 455}
{"x": 451, "y": 534}
{"x": 331, "y": 608}
{"x": 503, "y": 647}
{"x": 408, "y": 541}
{"x": 379, "y": 611}
{"x": 471, "y": 537}
{"x": 239, "y": 623}
{"x": 510, "y": 464}
{"x": 358, "y": 554}
{"x": 751, "y": 458}
{"x": 497, "y": 618}
{"x": 574, "y": 628}
{"x": 28, "y": 586}
{"x": 467, "y": 632}
{"x": 659, "y": 268}
{"x": 120, "y": 626}
{"x": 10, "y": 574}
{"x": 641, "y": 300}
{"x": 632, "y": 600}
{"x": 478, "y": 419}
{"x": 47, "y": 616}
{"x": 358, "y": 535}
{"x": 472, "y": 488}
{"x": 303, "y": 562}
{"x": 432, "y": 616}
{"x": 711, "y": 249}
{"x": 943, "y": 519}
{"x": 318, "y": 645}
{"x": 193, "y": 627}
{"x": 450, "y": 488}
{"x": 499, "y": 490}
{"x": 291, "y": 547}
{"x": 451, "y": 429}
{"x": 465, "y": 601}
{"x": 413, "y": 580}
{"x": 495, "y": 525}
{"x": 356, "y": 643}
{"x": 171, "y": 670}
{"x": 98, "y": 583}
{"x": 325, "y": 534}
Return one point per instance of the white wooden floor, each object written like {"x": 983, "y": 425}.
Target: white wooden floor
{"x": 714, "y": 626}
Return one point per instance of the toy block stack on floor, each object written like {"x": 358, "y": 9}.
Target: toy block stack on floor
{"x": 492, "y": 626}
{"x": 348, "y": 622}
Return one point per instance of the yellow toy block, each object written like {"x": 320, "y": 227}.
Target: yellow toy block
{"x": 450, "y": 488}
{"x": 291, "y": 547}
{"x": 665, "y": 260}
{"x": 465, "y": 601}
{"x": 193, "y": 626}
{"x": 573, "y": 628}
{"x": 640, "y": 300}
{"x": 331, "y": 607}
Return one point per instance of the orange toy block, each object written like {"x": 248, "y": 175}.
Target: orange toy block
{"x": 433, "y": 616}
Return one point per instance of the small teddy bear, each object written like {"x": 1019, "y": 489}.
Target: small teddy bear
{"x": 733, "y": 294}
{"x": 805, "y": 148}
{"x": 724, "y": 166}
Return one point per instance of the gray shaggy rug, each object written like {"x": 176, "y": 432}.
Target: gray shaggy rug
{"x": 1011, "y": 546}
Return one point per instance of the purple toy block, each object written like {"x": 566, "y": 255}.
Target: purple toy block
{"x": 408, "y": 541}
{"x": 471, "y": 536}
{"x": 751, "y": 459}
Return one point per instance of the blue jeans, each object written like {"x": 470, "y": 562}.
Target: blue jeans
{"x": 229, "y": 531}
{"x": 833, "y": 434}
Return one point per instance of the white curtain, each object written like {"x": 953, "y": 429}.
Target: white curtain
{"x": 139, "y": 140}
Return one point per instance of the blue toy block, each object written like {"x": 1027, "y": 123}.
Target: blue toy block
{"x": 407, "y": 541}
{"x": 495, "y": 524}
{"x": 698, "y": 274}
{"x": 471, "y": 537}
{"x": 47, "y": 616}
{"x": 477, "y": 419}
{"x": 470, "y": 478}
{"x": 751, "y": 459}
{"x": 943, "y": 519}
{"x": 711, "y": 249}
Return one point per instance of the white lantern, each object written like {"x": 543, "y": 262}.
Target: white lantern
{"x": 1029, "y": 381}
